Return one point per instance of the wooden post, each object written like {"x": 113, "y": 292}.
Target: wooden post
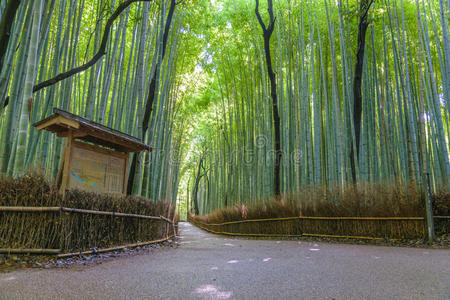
{"x": 66, "y": 169}
{"x": 173, "y": 226}
{"x": 60, "y": 171}
{"x": 168, "y": 217}
{"x": 125, "y": 176}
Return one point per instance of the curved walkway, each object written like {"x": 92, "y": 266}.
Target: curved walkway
{"x": 205, "y": 266}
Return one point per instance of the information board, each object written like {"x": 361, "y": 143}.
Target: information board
{"x": 96, "y": 170}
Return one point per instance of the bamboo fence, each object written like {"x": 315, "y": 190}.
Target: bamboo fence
{"x": 64, "y": 234}
{"x": 366, "y": 228}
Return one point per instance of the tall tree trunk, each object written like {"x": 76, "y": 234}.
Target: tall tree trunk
{"x": 267, "y": 33}
{"x": 357, "y": 80}
{"x": 196, "y": 185}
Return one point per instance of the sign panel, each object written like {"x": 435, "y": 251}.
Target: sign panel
{"x": 96, "y": 171}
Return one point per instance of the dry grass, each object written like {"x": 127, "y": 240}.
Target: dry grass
{"x": 441, "y": 207}
{"x": 73, "y": 232}
{"x": 365, "y": 201}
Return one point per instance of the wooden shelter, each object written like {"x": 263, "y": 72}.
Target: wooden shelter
{"x": 95, "y": 156}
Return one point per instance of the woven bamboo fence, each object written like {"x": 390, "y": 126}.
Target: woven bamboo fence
{"x": 370, "y": 228}
{"x": 35, "y": 219}
{"x": 59, "y": 230}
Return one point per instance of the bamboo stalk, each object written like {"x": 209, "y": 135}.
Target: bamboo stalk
{"x": 344, "y": 236}
{"x": 113, "y": 248}
{"x": 107, "y": 213}
{"x": 291, "y": 235}
{"x": 29, "y": 251}
{"x": 166, "y": 219}
{"x": 319, "y": 218}
{"x": 29, "y": 209}
{"x": 77, "y": 210}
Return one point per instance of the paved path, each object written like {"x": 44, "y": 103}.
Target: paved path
{"x": 210, "y": 267}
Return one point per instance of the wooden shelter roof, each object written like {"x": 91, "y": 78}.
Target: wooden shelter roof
{"x": 83, "y": 129}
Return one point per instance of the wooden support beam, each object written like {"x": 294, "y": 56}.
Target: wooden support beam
{"x": 75, "y": 134}
{"x": 60, "y": 172}
{"x": 67, "y": 159}
{"x": 99, "y": 149}
{"x": 118, "y": 142}
{"x": 125, "y": 176}
{"x": 59, "y": 120}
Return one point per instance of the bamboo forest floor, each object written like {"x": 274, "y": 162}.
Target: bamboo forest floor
{"x": 206, "y": 266}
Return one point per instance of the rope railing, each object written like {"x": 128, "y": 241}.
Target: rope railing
{"x": 287, "y": 235}
{"x": 316, "y": 218}
{"x": 32, "y": 209}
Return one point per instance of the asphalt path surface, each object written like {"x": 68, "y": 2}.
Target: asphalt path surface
{"x": 206, "y": 266}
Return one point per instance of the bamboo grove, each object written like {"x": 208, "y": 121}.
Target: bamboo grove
{"x": 48, "y": 38}
{"x": 191, "y": 79}
{"x": 405, "y": 109}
